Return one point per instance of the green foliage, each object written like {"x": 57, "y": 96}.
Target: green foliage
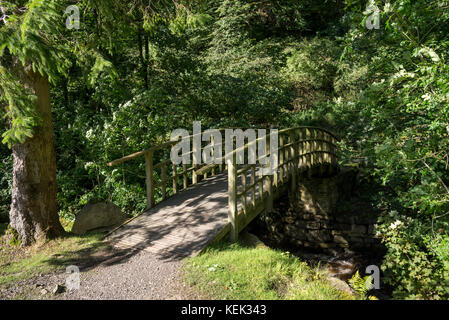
{"x": 359, "y": 284}
{"x": 416, "y": 264}
{"x": 390, "y": 108}
{"x": 311, "y": 68}
{"x": 19, "y": 108}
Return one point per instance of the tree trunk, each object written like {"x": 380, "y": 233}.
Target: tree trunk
{"x": 33, "y": 210}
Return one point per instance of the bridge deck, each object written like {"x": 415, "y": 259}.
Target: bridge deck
{"x": 180, "y": 226}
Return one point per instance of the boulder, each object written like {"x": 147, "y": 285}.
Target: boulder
{"x": 340, "y": 285}
{"x": 95, "y": 216}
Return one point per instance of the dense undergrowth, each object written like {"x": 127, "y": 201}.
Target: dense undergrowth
{"x": 384, "y": 92}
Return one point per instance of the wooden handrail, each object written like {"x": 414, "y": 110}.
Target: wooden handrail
{"x": 169, "y": 143}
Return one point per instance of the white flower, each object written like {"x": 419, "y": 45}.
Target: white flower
{"x": 395, "y": 224}
{"x": 89, "y": 133}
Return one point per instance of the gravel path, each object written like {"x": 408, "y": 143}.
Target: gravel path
{"x": 111, "y": 275}
{"x": 124, "y": 276}
{"x": 142, "y": 276}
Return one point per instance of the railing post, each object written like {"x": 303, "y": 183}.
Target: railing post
{"x": 309, "y": 148}
{"x": 184, "y": 176}
{"x": 232, "y": 198}
{"x": 194, "y": 174}
{"x": 301, "y": 150}
{"x": 294, "y": 163}
{"x": 244, "y": 205}
{"x": 281, "y": 159}
{"x": 149, "y": 178}
{"x": 253, "y": 183}
{"x": 322, "y": 159}
{"x": 269, "y": 197}
{"x": 175, "y": 179}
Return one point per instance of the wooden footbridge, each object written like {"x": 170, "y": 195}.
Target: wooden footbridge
{"x": 199, "y": 204}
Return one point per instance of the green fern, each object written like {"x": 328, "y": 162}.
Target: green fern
{"x": 360, "y": 284}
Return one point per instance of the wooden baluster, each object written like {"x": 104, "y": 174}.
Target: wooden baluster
{"x": 164, "y": 181}
{"x": 222, "y": 160}
{"x": 281, "y": 158}
{"x": 312, "y": 162}
{"x": 301, "y": 150}
{"x": 294, "y": 161}
{"x": 321, "y": 154}
{"x": 243, "y": 177}
{"x": 276, "y": 174}
{"x": 268, "y": 181}
{"x": 261, "y": 195}
{"x": 213, "y": 154}
{"x": 269, "y": 193}
{"x": 253, "y": 181}
{"x": 194, "y": 174}
{"x": 232, "y": 198}
{"x": 184, "y": 176}
{"x": 175, "y": 179}
{"x": 309, "y": 152}
{"x": 149, "y": 179}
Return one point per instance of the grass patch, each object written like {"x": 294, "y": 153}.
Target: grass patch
{"x": 240, "y": 271}
{"x": 18, "y": 263}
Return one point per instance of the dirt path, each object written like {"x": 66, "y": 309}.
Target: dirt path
{"x": 142, "y": 276}
{"x": 113, "y": 275}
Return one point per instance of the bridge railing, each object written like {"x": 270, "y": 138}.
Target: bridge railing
{"x": 164, "y": 177}
{"x": 300, "y": 150}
